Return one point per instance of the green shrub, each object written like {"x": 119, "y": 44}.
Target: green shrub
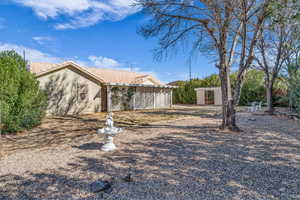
{"x": 253, "y": 89}
{"x": 293, "y": 82}
{"x": 22, "y": 103}
{"x": 185, "y": 93}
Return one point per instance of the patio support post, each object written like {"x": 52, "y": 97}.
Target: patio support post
{"x": 133, "y": 101}
{"x": 153, "y": 89}
{"x": 108, "y": 98}
{"x": 171, "y": 98}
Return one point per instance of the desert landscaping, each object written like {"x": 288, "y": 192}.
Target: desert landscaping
{"x": 150, "y": 100}
{"x": 176, "y": 153}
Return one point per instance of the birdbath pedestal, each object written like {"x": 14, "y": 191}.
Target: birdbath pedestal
{"x": 109, "y": 131}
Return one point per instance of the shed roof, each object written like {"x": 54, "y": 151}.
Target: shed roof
{"x": 208, "y": 88}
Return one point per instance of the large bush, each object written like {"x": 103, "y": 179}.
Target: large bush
{"x": 295, "y": 91}
{"x": 293, "y": 84}
{"x": 22, "y": 103}
{"x": 185, "y": 93}
{"x": 253, "y": 88}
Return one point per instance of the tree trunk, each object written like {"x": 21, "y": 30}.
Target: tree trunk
{"x": 291, "y": 104}
{"x": 238, "y": 88}
{"x": 270, "y": 109}
{"x": 228, "y": 107}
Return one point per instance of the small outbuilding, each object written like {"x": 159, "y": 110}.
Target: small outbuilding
{"x": 209, "y": 96}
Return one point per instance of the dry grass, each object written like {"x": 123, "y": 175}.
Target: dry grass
{"x": 55, "y": 131}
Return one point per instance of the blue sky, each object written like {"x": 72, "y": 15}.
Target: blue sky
{"x": 90, "y": 32}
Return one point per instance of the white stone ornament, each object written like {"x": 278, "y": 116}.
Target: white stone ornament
{"x": 109, "y": 131}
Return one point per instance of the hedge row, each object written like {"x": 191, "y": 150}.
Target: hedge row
{"x": 253, "y": 89}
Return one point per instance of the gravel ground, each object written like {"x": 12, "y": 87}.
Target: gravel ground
{"x": 179, "y": 159}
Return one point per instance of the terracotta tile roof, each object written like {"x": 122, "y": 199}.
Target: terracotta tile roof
{"x": 37, "y": 67}
{"x": 105, "y": 74}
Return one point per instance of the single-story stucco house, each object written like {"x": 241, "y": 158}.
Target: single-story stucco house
{"x": 74, "y": 89}
{"x": 209, "y": 96}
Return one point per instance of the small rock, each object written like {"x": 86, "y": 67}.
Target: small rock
{"x": 99, "y": 186}
{"x": 128, "y": 178}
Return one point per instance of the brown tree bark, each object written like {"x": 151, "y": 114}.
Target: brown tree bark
{"x": 228, "y": 106}
{"x": 269, "y": 90}
{"x": 224, "y": 24}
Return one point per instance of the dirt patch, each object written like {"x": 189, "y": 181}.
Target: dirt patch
{"x": 55, "y": 131}
{"x": 178, "y": 159}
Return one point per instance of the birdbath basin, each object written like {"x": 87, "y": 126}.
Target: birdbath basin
{"x": 109, "y": 132}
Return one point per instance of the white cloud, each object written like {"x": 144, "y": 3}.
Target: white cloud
{"x": 42, "y": 39}
{"x": 81, "y": 21}
{"x": 104, "y": 62}
{"x": 32, "y": 55}
{"x": 81, "y": 13}
{"x": 52, "y": 8}
{"x": 35, "y": 55}
{"x": 100, "y": 61}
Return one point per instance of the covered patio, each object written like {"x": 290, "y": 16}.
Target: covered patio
{"x": 138, "y": 96}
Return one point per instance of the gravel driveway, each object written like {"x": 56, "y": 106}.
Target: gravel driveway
{"x": 179, "y": 159}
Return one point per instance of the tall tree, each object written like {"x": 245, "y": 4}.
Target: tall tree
{"x": 292, "y": 80}
{"x": 276, "y": 46}
{"x": 228, "y": 28}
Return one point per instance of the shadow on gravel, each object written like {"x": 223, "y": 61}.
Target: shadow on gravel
{"x": 193, "y": 162}
{"x": 205, "y": 113}
{"x": 201, "y": 163}
{"x": 90, "y": 146}
{"x": 41, "y": 186}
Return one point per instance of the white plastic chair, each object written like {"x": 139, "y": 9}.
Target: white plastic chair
{"x": 253, "y": 107}
{"x": 258, "y": 106}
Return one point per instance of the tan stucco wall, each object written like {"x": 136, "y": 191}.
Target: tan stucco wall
{"x": 64, "y": 95}
{"x": 163, "y": 97}
{"x": 148, "y": 82}
{"x": 200, "y": 92}
{"x": 200, "y": 97}
{"x": 218, "y": 96}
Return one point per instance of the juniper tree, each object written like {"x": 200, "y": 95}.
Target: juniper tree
{"x": 22, "y": 103}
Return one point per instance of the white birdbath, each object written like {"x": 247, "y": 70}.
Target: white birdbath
{"x": 109, "y": 131}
